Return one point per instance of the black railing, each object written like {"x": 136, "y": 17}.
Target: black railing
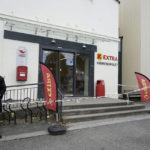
{"x": 23, "y": 96}
{"x": 18, "y": 93}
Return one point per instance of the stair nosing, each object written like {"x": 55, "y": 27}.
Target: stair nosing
{"x": 78, "y": 105}
{"x": 101, "y": 108}
{"x": 104, "y": 114}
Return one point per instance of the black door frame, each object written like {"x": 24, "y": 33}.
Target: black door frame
{"x": 59, "y": 66}
{"x": 60, "y": 45}
{"x": 59, "y": 50}
{"x": 120, "y": 65}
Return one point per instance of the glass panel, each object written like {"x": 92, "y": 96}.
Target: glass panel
{"x": 82, "y": 74}
{"x": 66, "y": 73}
{"x": 50, "y": 58}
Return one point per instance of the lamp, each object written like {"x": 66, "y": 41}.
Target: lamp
{"x": 53, "y": 41}
{"x": 84, "y": 46}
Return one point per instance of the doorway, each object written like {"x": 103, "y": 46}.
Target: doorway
{"x": 71, "y": 71}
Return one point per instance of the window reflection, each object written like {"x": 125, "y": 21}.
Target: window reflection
{"x": 50, "y": 58}
{"x": 82, "y": 74}
{"x": 66, "y": 73}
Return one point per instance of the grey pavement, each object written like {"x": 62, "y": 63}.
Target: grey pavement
{"x": 133, "y": 135}
{"x": 108, "y": 134}
{"x": 22, "y": 127}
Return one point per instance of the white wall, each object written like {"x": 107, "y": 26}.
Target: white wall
{"x": 96, "y": 16}
{"x": 1, "y": 46}
{"x": 107, "y": 73}
{"x": 9, "y": 61}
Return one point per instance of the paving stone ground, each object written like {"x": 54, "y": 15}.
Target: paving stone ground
{"x": 108, "y": 135}
{"x": 133, "y": 135}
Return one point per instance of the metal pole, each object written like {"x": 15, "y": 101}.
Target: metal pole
{"x": 57, "y": 117}
{"x": 128, "y": 99}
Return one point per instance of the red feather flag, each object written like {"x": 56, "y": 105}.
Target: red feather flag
{"x": 49, "y": 88}
{"x": 144, "y": 85}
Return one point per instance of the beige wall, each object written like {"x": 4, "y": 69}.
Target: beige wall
{"x": 145, "y": 37}
{"x": 130, "y": 30}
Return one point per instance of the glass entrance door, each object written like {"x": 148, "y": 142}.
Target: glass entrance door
{"x": 66, "y": 73}
{"x": 62, "y": 66}
{"x": 82, "y": 74}
{"x": 50, "y": 58}
{"x": 70, "y": 70}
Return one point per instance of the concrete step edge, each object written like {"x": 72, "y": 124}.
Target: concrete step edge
{"x": 107, "y": 114}
{"x": 102, "y": 108}
{"x": 95, "y": 105}
{"x": 104, "y": 122}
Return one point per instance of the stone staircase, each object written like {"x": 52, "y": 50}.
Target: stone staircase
{"x": 97, "y": 109}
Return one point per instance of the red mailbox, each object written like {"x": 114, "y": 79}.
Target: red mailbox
{"x": 22, "y": 73}
{"x": 100, "y": 88}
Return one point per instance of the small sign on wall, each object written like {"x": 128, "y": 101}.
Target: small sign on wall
{"x": 21, "y": 56}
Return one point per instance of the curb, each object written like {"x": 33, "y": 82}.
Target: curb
{"x": 72, "y": 127}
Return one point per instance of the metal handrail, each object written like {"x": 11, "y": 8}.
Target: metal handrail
{"x": 24, "y": 85}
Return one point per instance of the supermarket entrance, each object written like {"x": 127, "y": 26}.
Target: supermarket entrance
{"x": 70, "y": 69}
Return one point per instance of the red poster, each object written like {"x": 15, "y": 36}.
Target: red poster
{"x": 143, "y": 82}
{"x": 49, "y": 88}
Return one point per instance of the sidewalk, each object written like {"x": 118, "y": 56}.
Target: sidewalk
{"x": 37, "y": 128}
{"x": 133, "y": 135}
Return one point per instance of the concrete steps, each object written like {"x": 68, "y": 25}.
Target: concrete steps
{"x": 95, "y": 110}
{"x": 79, "y": 118}
{"x": 87, "y": 112}
{"x": 92, "y": 105}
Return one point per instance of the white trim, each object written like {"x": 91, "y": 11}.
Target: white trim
{"x": 56, "y": 27}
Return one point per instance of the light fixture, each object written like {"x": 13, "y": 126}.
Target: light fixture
{"x": 84, "y": 46}
{"x": 53, "y": 41}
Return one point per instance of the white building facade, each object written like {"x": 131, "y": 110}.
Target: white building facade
{"x": 77, "y": 40}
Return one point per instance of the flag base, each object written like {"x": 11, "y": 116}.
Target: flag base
{"x": 57, "y": 129}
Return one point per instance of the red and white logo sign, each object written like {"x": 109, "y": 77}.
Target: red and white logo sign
{"x": 21, "y": 59}
{"x": 100, "y": 57}
{"x": 22, "y": 52}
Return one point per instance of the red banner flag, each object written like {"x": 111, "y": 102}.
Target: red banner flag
{"x": 49, "y": 88}
{"x": 144, "y": 85}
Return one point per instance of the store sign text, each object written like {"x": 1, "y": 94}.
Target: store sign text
{"x": 109, "y": 59}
